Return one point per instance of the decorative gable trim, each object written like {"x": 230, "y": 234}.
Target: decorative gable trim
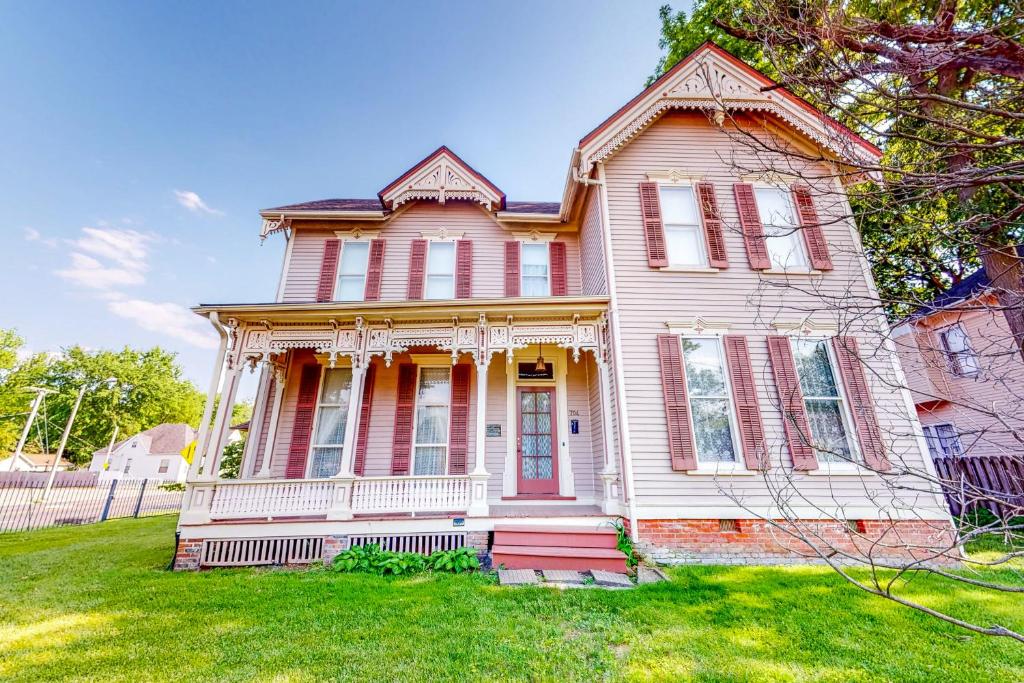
{"x": 357, "y": 234}
{"x": 698, "y": 326}
{"x": 442, "y": 234}
{"x": 805, "y": 328}
{"x": 442, "y": 177}
{"x": 535, "y": 236}
{"x": 712, "y": 80}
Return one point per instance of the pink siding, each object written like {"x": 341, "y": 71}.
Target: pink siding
{"x": 289, "y": 401}
{"x": 581, "y": 447}
{"x": 998, "y": 386}
{"x": 495, "y": 446}
{"x": 268, "y": 409}
{"x": 592, "y": 266}
{"x": 476, "y": 224}
{"x": 743, "y": 298}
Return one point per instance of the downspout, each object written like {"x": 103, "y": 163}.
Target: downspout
{"x": 284, "y": 264}
{"x": 211, "y": 396}
{"x": 613, "y": 323}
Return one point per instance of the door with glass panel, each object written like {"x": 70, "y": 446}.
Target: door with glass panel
{"x": 332, "y": 413}
{"x": 538, "y": 466}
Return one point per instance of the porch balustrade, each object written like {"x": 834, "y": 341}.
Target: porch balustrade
{"x": 411, "y": 494}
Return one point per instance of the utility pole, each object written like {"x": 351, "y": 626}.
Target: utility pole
{"x": 63, "y": 441}
{"x": 110, "y": 448}
{"x": 40, "y": 393}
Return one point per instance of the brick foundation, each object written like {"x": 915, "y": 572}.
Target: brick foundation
{"x": 188, "y": 555}
{"x": 333, "y": 546}
{"x": 754, "y": 541}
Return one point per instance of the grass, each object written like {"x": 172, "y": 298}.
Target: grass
{"x": 96, "y": 603}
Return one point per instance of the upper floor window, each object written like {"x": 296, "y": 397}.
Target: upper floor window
{"x": 430, "y": 441}
{"x": 352, "y": 271}
{"x": 958, "y": 350}
{"x": 441, "y": 270}
{"x": 331, "y": 416}
{"x": 826, "y": 409}
{"x": 535, "y": 279}
{"x": 684, "y": 236}
{"x": 707, "y": 389}
{"x": 165, "y": 464}
{"x": 781, "y": 229}
{"x": 943, "y": 441}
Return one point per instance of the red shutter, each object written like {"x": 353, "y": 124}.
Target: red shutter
{"x": 748, "y": 409}
{"x": 417, "y": 268}
{"x": 794, "y": 414}
{"x": 753, "y": 230}
{"x": 717, "y": 256}
{"x": 458, "y": 436}
{"x": 817, "y": 247}
{"x": 512, "y": 268}
{"x": 302, "y": 427}
{"x": 363, "y": 433}
{"x": 654, "y": 231}
{"x": 861, "y": 405}
{"x": 374, "y": 268}
{"x": 464, "y": 269}
{"x": 401, "y": 443}
{"x": 328, "y": 270}
{"x": 677, "y": 407}
{"x": 559, "y": 270}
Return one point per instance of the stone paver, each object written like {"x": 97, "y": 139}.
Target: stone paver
{"x": 610, "y": 579}
{"x": 645, "y": 574}
{"x": 562, "y": 576}
{"x": 516, "y": 577}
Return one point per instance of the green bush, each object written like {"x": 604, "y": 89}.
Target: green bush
{"x": 370, "y": 559}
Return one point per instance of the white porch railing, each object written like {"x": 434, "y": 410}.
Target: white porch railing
{"x": 262, "y": 498}
{"x": 411, "y": 494}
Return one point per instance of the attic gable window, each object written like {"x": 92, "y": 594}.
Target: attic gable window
{"x": 958, "y": 350}
{"x": 684, "y": 239}
{"x": 781, "y": 229}
{"x": 352, "y": 271}
{"x": 441, "y": 270}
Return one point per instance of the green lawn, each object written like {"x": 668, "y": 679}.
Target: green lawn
{"x": 96, "y": 603}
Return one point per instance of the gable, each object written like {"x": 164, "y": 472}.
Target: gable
{"x": 442, "y": 176}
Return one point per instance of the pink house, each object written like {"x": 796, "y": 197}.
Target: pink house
{"x": 444, "y": 366}
{"x": 965, "y": 373}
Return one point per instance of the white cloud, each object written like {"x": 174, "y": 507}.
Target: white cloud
{"x": 88, "y": 272}
{"x": 170, "y": 319}
{"x": 193, "y": 202}
{"x": 33, "y": 235}
{"x": 127, "y": 247}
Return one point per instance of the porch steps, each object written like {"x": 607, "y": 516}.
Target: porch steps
{"x": 556, "y": 547}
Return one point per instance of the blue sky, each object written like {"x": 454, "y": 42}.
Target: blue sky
{"x": 140, "y": 139}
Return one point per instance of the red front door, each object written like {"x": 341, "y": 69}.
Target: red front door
{"x": 535, "y": 443}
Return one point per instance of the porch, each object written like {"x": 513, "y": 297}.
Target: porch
{"x": 412, "y": 414}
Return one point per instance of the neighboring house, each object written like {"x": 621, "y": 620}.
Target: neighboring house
{"x": 442, "y": 362}
{"x": 964, "y": 371}
{"x": 33, "y": 462}
{"x": 152, "y": 454}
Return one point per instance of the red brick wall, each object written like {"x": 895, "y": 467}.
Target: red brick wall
{"x": 754, "y": 540}
{"x": 188, "y": 554}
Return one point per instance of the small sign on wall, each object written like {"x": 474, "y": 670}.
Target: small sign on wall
{"x": 493, "y": 430}
{"x": 574, "y": 426}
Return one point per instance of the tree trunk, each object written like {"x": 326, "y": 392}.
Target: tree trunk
{"x": 1005, "y": 270}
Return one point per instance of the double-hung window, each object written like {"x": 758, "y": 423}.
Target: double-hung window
{"x": 781, "y": 230}
{"x": 433, "y": 401}
{"x": 826, "y": 410}
{"x": 711, "y": 410}
{"x": 958, "y": 350}
{"x": 684, "y": 236}
{"x": 535, "y": 279}
{"x": 351, "y": 285}
{"x": 332, "y": 413}
{"x": 943, "y": 441}
{"x": 165, "y": 464}
{"x": 441, "y": 270}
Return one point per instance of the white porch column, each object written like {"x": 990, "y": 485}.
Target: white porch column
{"x": 275, "y": 412}
{"x": 610, "y": 471}
{"x": 341, "y": 507}
{"x": 478, "y": 477}
{"x": 221, "y": 426}
{"x": 259, "y": 411}
{"x": 211, "y": 397}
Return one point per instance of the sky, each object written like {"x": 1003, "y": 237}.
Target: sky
{"x": 140, "y": 139}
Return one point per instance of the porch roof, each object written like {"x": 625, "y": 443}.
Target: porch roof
{"x": 407, "y": 310}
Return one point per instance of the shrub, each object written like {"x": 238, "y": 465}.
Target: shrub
{"x": 370, "y": 559}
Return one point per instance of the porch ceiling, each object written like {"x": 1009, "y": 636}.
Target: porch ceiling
{"x": 586, "y": 306}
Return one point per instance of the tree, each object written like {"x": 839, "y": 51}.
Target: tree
{"x": 18, "y": 371}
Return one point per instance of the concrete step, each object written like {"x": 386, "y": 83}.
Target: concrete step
{"x": 555, "y": 536}
{"x": 555, "y": 557}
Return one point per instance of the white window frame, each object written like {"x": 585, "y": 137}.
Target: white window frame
{"x": 702, "y": 245}
{"x": 856, "y": 463}
{"x": 522, "y": 262}
{"x": 454, "y": 273}
{"x": 737, "y": 466}
{"x": 797, "y": 231}
{"x": 164, "y": 466}
{"x": 931, "y": 432}
{"x": 953, "y": 357}
{"x": 339, "y": 274}
{"x": 313, "y": 445}
{"x": 416, "y": 422}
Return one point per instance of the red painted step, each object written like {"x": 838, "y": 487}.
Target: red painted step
{"x": 553, "y": 547}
